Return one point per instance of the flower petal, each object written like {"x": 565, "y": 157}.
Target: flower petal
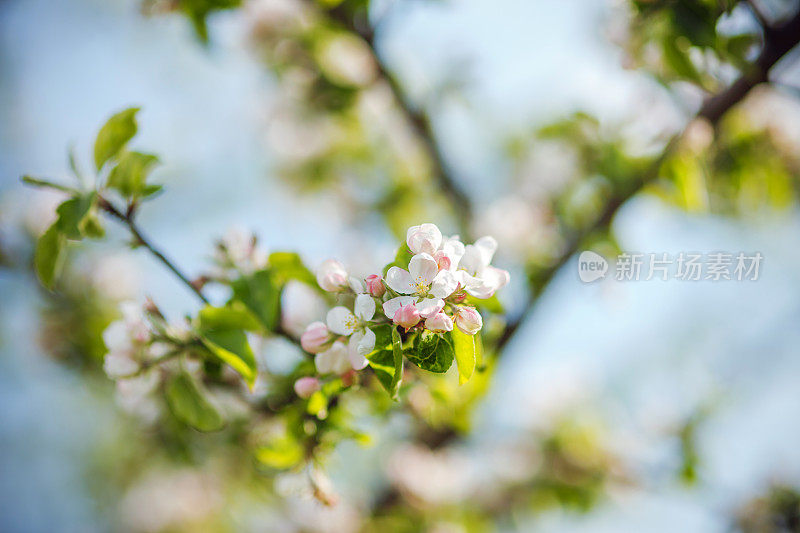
{"x": 361, "y": 343}
{"x": 390, "y": 307}
{"x": 357, "y": 285}
{"x": 424, "y": 238}
{"x": 427, "y": 307}
{"x": 423, "y": 268}
{"x": 399, "y": 280}
{"x": 487, "y": 246}
{"x": 444, "y": 284}
{"x": 341, "y": 321}
{"x": 365, "y": 307}
{"x": 335, "y": 359}
{"x": 453, "y": 248}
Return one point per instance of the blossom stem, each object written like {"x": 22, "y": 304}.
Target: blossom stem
{"x": 127, "y": 219}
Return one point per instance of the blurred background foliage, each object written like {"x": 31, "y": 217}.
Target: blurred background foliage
{"x": 345, "y": 127}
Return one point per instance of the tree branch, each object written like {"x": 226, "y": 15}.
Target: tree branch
{"x": 127, "y": 220}
{"x": 779, "y": 40}
{"x": 418, "y": 120}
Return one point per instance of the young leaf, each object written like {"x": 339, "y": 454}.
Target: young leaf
{"x": 464, "y": 348}
{"x": 189, "y": 404}
{"x": 260, "y": 294}
{"x": 432, "y": 352}
{"x": 73, "y": 215}
{"x": 114, "y": 135}
{"x": 232, "y": 316}
{"x": 401, "y": 258}
{"x": 397, "y": 352}
{"x": 130, "y": 175}
{"x": 50, "y": 255}
{"x": 280, "y": 453}
{"x": 230, "y": 345}
{"x": 36, "y": 182}
{"x": 286, "y": 266}
{"x": 382, "y": 363}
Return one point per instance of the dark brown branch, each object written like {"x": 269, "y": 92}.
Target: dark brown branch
{"x": 779, "y": 40}
{"x": 127, "y": 220}
{"x": 418, "y": 119}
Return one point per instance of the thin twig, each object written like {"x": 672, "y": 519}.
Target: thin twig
{"x": 127, "y": 220}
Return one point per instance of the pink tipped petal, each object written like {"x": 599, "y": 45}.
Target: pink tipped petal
{"x": 425, "y": 238}
{"x": 429, "y": 307}
{"x": 439, "y": 323}
{"x": 305, "y": 387}
{"x": 390, "y": 307}
{"x": 399, "y": 280}
{"x": 468, "y": 320}
{"x": 375, "y": 285}
{"x": 407, "y": 316}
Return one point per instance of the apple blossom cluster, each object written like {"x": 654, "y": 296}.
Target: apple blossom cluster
{"x": 429, "y": 293}
{"x": 137, "y": 344}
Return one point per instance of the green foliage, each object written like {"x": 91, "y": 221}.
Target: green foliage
{"x": 222, "y": 331}
{"x": 129, "y": 177}
{"x": 189, "y": 404}
{"x": 114, "y": 135}
{"x": 49, "y": 257}
{"x": 397, "y": 354}
{"x": 287, "y": 266}
{"x": 281, "y": 452}
{"x": 386, "y": 360}
{"x": 232, "y": 316}
{"x": 74, "y": 215}
{"x": 464, "y": 349}
{"x": 261, "y": 295}
{"x": 432, "y": 352}
{"x": 198, "y": 11}
{"x": 401, "y": 258}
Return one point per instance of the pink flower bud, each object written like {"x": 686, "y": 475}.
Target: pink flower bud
{"x": 315, "y": 337}
{"x": 442, "y": 260}
{"x": 375, "y": 285}
{"x": 305, "y": 387}
{"x": 469, "y": 320}
{"x": 332, "y": 276}
{"x": 407, "y": 316}
{"x": 439, "y": 323}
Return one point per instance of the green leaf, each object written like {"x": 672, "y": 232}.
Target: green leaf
{"x": 130, "y": 175}
{"x": 401, "y": 258}
{"x": 230, "y": 345}
{"x": 198, "y": 10}
{"x": 232, "y": 316}
{"x": 432, "y": 352}
{"x": 464, "y": 348}
{"x": 492, "y": 304}
{"x": 287, "y": 266}
{"x": 73, "y": 215}
{"x": 382, "y": 363}
{"x": 114, "y": 135}
{"x": 383, "y": 336}
{"x": 50, "y": 255}
{"x": 36, "y": 182}
{"x": 260, "y": 294}
{"x": 280, "y": 453}
{"x": 189, "y": 404}
{"x": 397, "y": 352}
